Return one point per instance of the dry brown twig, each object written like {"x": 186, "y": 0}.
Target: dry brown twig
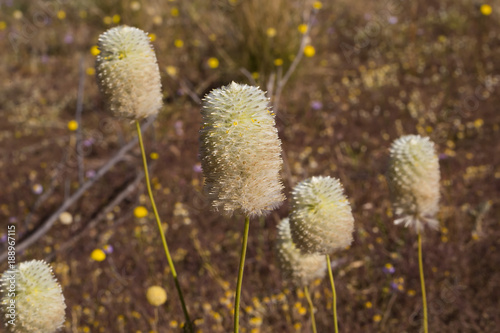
{"x": 45, "y": 226}
{"x": 100, "y": 214}
{"x": 282, "y": 80}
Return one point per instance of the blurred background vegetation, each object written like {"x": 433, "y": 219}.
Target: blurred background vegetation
{"x": 366, "y": 73}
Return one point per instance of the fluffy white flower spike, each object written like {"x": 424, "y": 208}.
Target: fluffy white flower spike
{"x": 414, "y": 182}
{"x": 127, "y": 73}
{"x": 39, "y": 302}
{"x": 299, "y": 268}
{"x": 240, "y": 151}
{"x": 321, "y": 219}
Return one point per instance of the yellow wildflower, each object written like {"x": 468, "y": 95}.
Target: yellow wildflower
{"x": 72, "y": 125}
{"x": 302, "y": 28}
{"x": 98, "y": 255}
{"x": 171, "y": 70}
{"x": 309, "y": 51}
{"x": 140, "y": 211}
{"x": 271, "y": 32}
{"x": 486, "y": 9}
{"x": 317, "y": 5}
{"x": 213, "y": 62}
{"x": 94, "y": 50}
{"x": 61, "y": 14}
{"x": 178, "y": 43}
{"x": 156, "y": 295}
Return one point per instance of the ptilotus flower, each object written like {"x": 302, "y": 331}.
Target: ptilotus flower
{"x": 127, "y": 73}
{"x": 321, "y": 220}
{"x": 32, "y": 298}
{"x": 240, "y": 151}
{"x": 297, "y": 267}
{"x": 414, "y": 181}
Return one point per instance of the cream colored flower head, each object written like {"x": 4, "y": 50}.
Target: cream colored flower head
{"x": 321, "y": 220}
{"x": 128, "y": 74}
{"x": 39, "y": 302}
{"x": 299, "y": 268}
{"x": 240, "y": 151}
{"x": 414, "y": 182}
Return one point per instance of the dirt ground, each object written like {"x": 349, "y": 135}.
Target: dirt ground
{"x": 374, "y": 72}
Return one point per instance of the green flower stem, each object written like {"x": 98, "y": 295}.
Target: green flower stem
{"x": 158, "y": 221}
{"x": 333, "y": 293}
{"x": 422, "y": 281}
{"x": 240, "y": 275}
{"x": 311, "y": 307}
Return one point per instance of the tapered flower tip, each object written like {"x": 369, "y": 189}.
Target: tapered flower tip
{"x": 299, "y": 268}
{"x": 37, "y": 296}
{"x": 240, "y": 151}
{"x": 413, "y": 179}
{"x": 127, "y": 73}
{"x": 321, "y": 220}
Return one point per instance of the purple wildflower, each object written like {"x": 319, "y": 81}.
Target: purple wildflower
{"x": 68, "y": 39}
{"x": 90, "y": 173}
{"x": 392, "y": 20}
{"x": 37, "y": 189}
{"x": 178, "y": 128}
{"x": 316, "y": 105}
{"x": 108, "y": 249}
{"x": 197, "y": 168}
{"x": 388, "y": 269}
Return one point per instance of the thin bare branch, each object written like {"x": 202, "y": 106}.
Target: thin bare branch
{"x": 47, "y": 224}
{"x": 281, "y": 82}
{"x": 78, "y": 118}
{"x": 100, "y": 215}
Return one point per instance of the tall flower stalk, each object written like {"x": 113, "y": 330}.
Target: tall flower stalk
{"x": 162, "y": 234}
{"x": 241, "y": 158}
{"x": 414, "y": 185}
{"x": 129, "y": 78}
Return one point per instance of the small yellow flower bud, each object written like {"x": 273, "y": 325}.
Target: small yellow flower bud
{"x": 156, "y": 295}
{"x": 128, "y": 74}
